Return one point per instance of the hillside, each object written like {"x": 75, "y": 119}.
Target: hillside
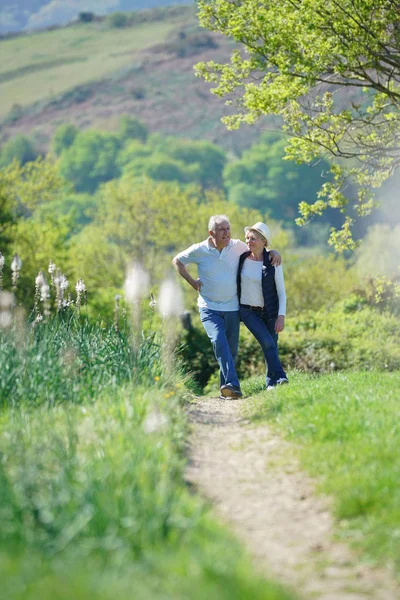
{"x": 18, "y": 15}
{"x": 91, "y": 73}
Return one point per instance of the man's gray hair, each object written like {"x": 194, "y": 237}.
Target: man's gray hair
{"x": 216, "y": 220}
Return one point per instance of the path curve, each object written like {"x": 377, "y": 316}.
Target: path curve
{"x": 255, "y": 483}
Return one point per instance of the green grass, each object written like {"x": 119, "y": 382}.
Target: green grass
{"x": 68, "y": 360}
{"x": 348, "y": 429}
{"x": 42, "y": 65}
{"x": 93, "y": 502}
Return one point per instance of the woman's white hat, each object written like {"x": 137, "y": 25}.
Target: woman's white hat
{"x": 261, "y": 228}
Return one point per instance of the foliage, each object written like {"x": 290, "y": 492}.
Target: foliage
{"x": 196, "y": 355}
{"x": 263, "y": 180}
{"x": 90, "y": 160}
{"x": 344, "y": 427}
{"x": 350, "y": 336}
{"x": 172, "y": 159}
{"x": 23, "y": 190}
{"x": 132, "y": 129}
{"x": 117, "y": 19}
{"x": 33, "y": 184}
{"x": 19, "y": 148}
{"x": 300, "y": 56}
{"x": 379, "y": 252}
{"x": 317, "y": 283}
{"x": 63, "y": 138}
{"x": 205, "y": 160}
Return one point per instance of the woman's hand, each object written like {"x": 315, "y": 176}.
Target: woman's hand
{"x": 275, "y": 258}
{"x": 279, "y": 324}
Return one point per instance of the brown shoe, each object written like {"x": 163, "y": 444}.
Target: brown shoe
{"x": 230, "y": 391}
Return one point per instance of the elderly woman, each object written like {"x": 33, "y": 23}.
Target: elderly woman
{"x": 262, "y": 298}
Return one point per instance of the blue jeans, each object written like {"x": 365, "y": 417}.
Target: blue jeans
{"x": 222, "y": 327}
{"x": 263, "y": 330}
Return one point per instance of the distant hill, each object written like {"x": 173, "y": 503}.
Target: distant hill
{"x": 18, "y": 15}
{"x": 91, "y": 73}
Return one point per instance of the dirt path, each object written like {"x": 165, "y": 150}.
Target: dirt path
{"x": 256, "y": 485}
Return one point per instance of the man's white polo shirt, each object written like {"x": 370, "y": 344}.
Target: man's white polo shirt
{"x": 217, "y": 271}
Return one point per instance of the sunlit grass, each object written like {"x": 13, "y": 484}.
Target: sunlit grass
{"x": 348, "y": 426}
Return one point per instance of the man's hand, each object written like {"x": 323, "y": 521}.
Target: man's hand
{"x": 183, "y": 272}
{"x": 279, "y": 324}
{"x": 275, "y": 258}
{"x": 197, "y": 283}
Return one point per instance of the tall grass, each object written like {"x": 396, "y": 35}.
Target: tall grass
{"x": 71, "y": 360}
{"x": 349, "y": 430}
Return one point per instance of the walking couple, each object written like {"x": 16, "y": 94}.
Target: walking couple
{"x": 236, "y": 282}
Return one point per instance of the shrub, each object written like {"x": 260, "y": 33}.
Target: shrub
{"x": 86, "y": 17}
{"x": 63, "y": 137}
{"x": 131, "y": 128}
{"x": 18, "y": 148}
{"x": 117, "y": 19}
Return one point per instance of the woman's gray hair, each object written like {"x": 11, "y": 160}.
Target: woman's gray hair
{"x": 216, "y": 220}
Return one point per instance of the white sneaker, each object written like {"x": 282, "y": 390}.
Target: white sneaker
{"x": 282, "y": 380}
{"x": 271, "y": 387}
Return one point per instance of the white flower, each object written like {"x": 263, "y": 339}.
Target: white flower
{"x": 1, "y": 261}
{"x": 16, "y": 263}
{"x": 80, "y": 287}
{"x": 40, "y": 279}
{"x": 153, "y": 301}
{"x": 52, "y": 267}
{"x": 44, "y": 292}
{"x": 170, "y": 301}
{"x": 63, "y": 282}
{"x": 6, "y": 300}
{"x": 136, "y": 284}
{"x": 5, "y": 319}
{"x": 155, "y": 421}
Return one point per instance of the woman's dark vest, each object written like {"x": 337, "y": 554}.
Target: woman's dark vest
{"x": 271, "y": 300}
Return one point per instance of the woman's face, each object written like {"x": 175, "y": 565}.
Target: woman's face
{"x": 255, "y": 242}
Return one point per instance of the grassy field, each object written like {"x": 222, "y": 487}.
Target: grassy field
{"x": 347, "y": 426}
{"x": 92, "y": 456}
{"x": 38, "y": 66}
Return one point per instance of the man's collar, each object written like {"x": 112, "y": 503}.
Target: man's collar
{"x": 212, "y": 245}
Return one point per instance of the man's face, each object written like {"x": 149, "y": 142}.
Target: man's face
{"x": 222, "y": 234}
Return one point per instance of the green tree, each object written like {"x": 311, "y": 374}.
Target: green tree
{"x": 63, "y": 138}
{"x": 331, "y": 70}
{"x": 263, "y": 180}
{"x": 18, "y": 148}
{"x": 24, "y": 191}
{"x": 205, "y": 160}
{"x": 133, "y": 151}
{"x": 90, "y": 160}
{"x": 132, "y": 129}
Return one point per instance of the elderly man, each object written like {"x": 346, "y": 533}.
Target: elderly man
{"x": 217, "y": 260}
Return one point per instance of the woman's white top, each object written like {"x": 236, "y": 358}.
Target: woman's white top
{"x": 251, "y": 285}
